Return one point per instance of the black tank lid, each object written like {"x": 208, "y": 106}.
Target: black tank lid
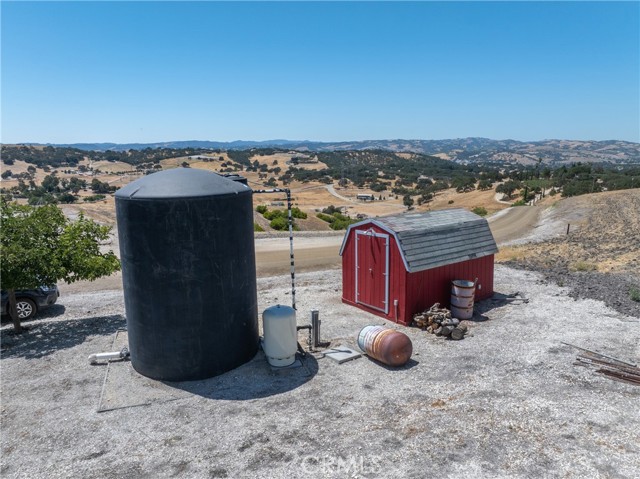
{"x": 181, "y": 183}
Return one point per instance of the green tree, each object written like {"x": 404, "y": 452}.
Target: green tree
{"x": 67, "y": 198}
{"x": 484, "y": 185}
{"x": 98, "y": 186}
{"x": 50, "y": 183}
{"x": 40, "y": 246}
{"x": 463, "y": 184}
{"x": 407, "y": 201}
{"x": 508, "y": 187}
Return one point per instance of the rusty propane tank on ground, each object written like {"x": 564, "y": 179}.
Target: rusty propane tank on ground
{"x": 386, "y": 345}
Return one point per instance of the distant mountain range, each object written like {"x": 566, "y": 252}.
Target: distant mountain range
{"x": 460, "y": 150}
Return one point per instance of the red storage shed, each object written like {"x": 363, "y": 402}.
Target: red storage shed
{"x": 396, "y": 266}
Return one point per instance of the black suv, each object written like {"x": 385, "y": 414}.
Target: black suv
{"x": 29, "y": 301}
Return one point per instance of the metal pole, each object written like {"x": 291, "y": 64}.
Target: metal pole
{"x": 293, "y": 271}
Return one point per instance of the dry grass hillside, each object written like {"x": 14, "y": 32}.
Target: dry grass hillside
{"x": 311, "y": 197}
{"x": 599, "y": 258}
{"x": 604, "y": 235}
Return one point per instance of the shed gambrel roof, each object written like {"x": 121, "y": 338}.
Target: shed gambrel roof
{"x": 436, "y": 238}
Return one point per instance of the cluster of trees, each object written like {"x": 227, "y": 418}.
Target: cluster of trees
{"x": 573, "y": 180}
{"x": 57, "y": 190}
{"x": 414, "y": 175}
{"x": 64, "y": 156}
{"x": 381, "y": 170}
{"x": 243, "y": 157}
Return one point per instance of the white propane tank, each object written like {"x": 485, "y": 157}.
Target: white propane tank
{"x": 280, "y": 335}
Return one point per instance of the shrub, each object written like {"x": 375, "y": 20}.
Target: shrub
{"x": 480, "y": 211}
{"x": 519, "y": 203}
{"x": 298, "y": 213}
{"x": 325, "y": 217}
{"x": 257, "y": 227}
{"x": 262, "y": 209}
{"x": 450, "y": 202}
{"x": 340, "y": 224}
{"x": 331, "y": 210}
{"x": 634, "y": 294}
{"x": 279, "y": 223}
{"x": 92, "y": 198}
{"x": 273, "y": 214}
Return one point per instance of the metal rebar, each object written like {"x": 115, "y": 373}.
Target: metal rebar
{"x": 601, "y": 355}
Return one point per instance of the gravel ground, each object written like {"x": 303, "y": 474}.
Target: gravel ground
{"x": 507, "y": 401}
{"x": 614, "y": 289}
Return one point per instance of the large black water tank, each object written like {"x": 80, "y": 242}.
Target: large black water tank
{"x": 189, "y": 273}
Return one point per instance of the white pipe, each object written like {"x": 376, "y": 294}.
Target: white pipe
{"x": 94, "y": 358}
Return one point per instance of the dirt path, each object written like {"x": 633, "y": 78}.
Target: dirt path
{"x": 333, "y": 191}
{"x": 514, "y": 222}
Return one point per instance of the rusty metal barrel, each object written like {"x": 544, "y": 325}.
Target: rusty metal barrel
{"x": 386, "y": 345}
{"x": 462, "y": 298}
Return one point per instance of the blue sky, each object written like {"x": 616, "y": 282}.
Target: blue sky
{"x": 328, "y": 71}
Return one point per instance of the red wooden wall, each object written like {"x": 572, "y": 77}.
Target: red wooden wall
{"x": 414, "y": 292}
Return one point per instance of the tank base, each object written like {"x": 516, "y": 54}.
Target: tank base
{"x": 280, "y": 363}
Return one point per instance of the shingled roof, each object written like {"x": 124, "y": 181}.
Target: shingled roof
{"x": 436, "y": 238}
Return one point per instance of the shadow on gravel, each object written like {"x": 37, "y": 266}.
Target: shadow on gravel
{"x": 253, "y": 380}
{"x": 42, "y": 339}
{"x": 52, "y": 311}
{"x": 498, "y": 300}
{"x": 412, "y": 363}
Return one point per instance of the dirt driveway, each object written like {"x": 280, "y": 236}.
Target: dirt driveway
{"x": 512, "y": 223}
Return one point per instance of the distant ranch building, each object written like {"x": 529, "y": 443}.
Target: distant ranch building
{"x": 365, "y": 197}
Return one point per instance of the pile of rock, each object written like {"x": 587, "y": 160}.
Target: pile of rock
{"x": 438, "y": 321}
